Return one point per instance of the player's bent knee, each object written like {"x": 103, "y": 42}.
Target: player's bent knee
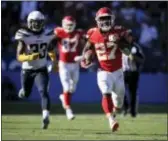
{"x": 66, "y": 87}
{"x": 118, "y": 103}
{"x": 104, "y": 88}
{"x": 72, "y": 89}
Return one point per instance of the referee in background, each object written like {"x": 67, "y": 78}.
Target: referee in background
{"x": 131, "y": 66}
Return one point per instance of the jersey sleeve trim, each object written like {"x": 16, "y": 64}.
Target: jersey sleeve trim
{"x": 21, "y": 34}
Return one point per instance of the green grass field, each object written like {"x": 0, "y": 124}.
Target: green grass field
{"x": 87, "y": 126}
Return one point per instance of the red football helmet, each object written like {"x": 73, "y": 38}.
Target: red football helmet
{"x": 105, "y": 19}
{"x": 68, "y": 23}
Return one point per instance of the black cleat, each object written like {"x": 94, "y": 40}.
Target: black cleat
{"x": 45, "y": 123}
{"x": 125, "y": 112}
{"x": 133, "y": 114}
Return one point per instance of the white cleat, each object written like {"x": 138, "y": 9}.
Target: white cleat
{"x": 21, "y": 93}
{"x": 69, "y": 114}
{"x": 114, "y": 126}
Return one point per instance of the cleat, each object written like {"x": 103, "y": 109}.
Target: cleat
{"x": 69, "y": 114}
{"x": 115, "y": 126}
{"x": 133, "y": 114}
{"x": 125, "y": 112}
{"x": 21, "y": 93}
{"x": 45, "y": 123}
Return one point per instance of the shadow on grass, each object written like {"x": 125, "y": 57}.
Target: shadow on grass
{"x": 34, "y": 108}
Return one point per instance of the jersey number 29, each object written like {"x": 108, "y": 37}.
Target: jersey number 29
{"x": 39, "y": 48}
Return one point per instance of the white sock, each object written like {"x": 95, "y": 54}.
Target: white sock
{"x": 111, "y": 119}
{"x": 45, "y": 114}
{"x": 68, "y": 111}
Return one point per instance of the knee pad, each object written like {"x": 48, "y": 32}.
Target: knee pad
{"x": 69, "y": 87}
{"x": 72, "y": 87}
{"x": 118, "y": 100}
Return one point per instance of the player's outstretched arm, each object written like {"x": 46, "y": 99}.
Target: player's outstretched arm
{"x": 22, "y": 56}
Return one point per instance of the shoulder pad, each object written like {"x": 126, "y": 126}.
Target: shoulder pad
{"x": 57, "y": 30}
{"x": 90, "y": 32}
{"x": 22, "y": 33}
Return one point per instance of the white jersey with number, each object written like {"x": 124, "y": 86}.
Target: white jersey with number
{"x": 35, "y": 44}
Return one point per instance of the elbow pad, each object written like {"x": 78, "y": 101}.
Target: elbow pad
{"x": 23, "y": 57}
{"x": 31, "y": 57}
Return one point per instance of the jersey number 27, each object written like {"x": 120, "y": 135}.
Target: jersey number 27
{"x": 103, "y": 54}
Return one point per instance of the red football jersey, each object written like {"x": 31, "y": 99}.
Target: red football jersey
{"x": 68, "y": 44}
{"x": 106, "y": 47}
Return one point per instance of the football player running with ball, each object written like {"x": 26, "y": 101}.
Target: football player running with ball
{"x": 108, "y": 41}
{"x": 69, "y": 42}
{"x": 34, "y": 44}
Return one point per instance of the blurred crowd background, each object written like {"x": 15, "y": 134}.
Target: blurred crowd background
{"x": 146, "y": 19}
